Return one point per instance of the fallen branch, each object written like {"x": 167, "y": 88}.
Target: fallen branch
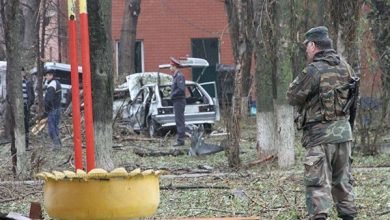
{"x": 171, "y": 187}
{"x": 257, "y": 162}
{"x": 19, "y": 183}
{"x": 222, "y": 211}
{"x": 68, "y": 160}
{"x": 132, "y": 138}
{"x": 384, "y": 213}
{"x": 151, "y": 153}
{"x": 199, "y": 175}
{"x": 20, "y": 197}
{"x": 187, "y": 171}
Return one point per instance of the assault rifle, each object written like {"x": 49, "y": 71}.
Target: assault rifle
{"x": 351, "y": 105}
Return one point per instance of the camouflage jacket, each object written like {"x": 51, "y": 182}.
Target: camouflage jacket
{"x": 320, "y": 93}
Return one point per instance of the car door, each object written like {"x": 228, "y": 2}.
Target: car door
{"x": 213, "y": 86}
{"x": 137, "y": 109}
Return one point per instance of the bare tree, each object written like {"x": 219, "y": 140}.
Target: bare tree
{"x": 242, "y": 48}
{"x": 10, "y": 16}
{"x": 30, "y": 9}
{"x": 128, "y": 38}
{"x": 266, "y": 58}
{"x": 284, "y": 130}
{"x": 247, "y": 34}
{"x": 343, "y": 21}
{"x": 380, "y": 26}
{"x": 2, "y": 42}
{"x": 102, "y": 79}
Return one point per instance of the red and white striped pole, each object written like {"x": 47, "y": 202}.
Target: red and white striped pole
{"x": 89, "y": 131}
{"x": 75, "y": 83}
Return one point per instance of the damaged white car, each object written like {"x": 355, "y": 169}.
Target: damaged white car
{"x": 151, "y": 108}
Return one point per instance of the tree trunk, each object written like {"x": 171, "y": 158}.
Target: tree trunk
{"x": 10, "y": 14}
{"x": 128, "y": 38}
{"x": 3, "y": 54}
{"x": 30, "y": 32}
{"x": 380, "y": 25}
{"x": 284, "y": 133}
{"x": 40, "y": 53}
{"x": 345, "y": 20}
{"x": 239, "y": 8}
{"x": 265, "y": 74}
{"x": 313, "y": 13}
{"x": 102, "y": 79}
{"x": 298, "y": 25}
{"x": 247, "y": 57}
{"x": 247, "y": 34}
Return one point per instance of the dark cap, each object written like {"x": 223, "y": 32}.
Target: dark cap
{"x": 316, "y": 34}
{"x": 175, "y": 62}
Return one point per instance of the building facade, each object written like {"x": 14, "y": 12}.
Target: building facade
{"x": 178, "y": 28}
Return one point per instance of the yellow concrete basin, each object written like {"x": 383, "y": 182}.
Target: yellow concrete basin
{"x": 101, "y": 195}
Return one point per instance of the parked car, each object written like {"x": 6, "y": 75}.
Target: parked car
{"x": 151, "y": 108}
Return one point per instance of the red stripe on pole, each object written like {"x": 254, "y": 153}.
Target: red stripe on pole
{"x": 89, "y": 131}
{"x": 75, "y": 93}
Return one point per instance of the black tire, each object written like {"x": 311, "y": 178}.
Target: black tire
{"x": 208, "y": 128}
{"x": 153, "y": 128}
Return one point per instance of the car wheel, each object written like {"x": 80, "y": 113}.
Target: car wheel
{"x": 208, "y": 128}
{"x": 152, "y": 128}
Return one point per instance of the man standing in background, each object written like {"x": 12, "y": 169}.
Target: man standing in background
{"x": 179, "y": 100}
{"x": 28, "y": 101}
{"x": 53, "y": 108}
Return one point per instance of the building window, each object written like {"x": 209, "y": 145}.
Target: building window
{"x": 139, "y": 56}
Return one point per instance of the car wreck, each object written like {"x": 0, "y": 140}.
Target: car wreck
{"x": 149, "y": 106}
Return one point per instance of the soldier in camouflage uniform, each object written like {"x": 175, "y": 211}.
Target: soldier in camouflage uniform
{"x": 320, "y": 94}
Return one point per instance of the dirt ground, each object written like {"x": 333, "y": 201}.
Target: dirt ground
{"x": 203, "y": 186}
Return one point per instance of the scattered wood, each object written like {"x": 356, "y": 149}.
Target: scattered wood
{"x": 19, "y": 197}
{"x": 143, "y": 152}
{"x": 172, "y": 187}
{"x": 20, "y": 183}
{"x": 164, "y": 140}
{"x": 117, "y": 146}
{"x": 232, "y": 212}
{"x": 205, "y": 167}
{"x": 260, "y": 161}
{"x": 384, "y": 213}
{"x": 188, "y": 171}
{"x": 223, "y": 218}
{"x": 215, "y": 134}
{"x": 68, "y": 160}
{"x": 199, "y": 175}
{"x": 136, "y": 138}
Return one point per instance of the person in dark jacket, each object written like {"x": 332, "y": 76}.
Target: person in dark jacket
{"x": 179, "y": 100}
{"x": 53, "y": 108}
{"x": 28, "y": 101}
{"x": 321, "y": 93}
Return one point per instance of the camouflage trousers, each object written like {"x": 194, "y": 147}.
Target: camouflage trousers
{"x": 328, "y": 178}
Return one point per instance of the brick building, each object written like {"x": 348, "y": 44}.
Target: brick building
{"x": 197, "y": 28}
{"x": 178, "y": 28}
